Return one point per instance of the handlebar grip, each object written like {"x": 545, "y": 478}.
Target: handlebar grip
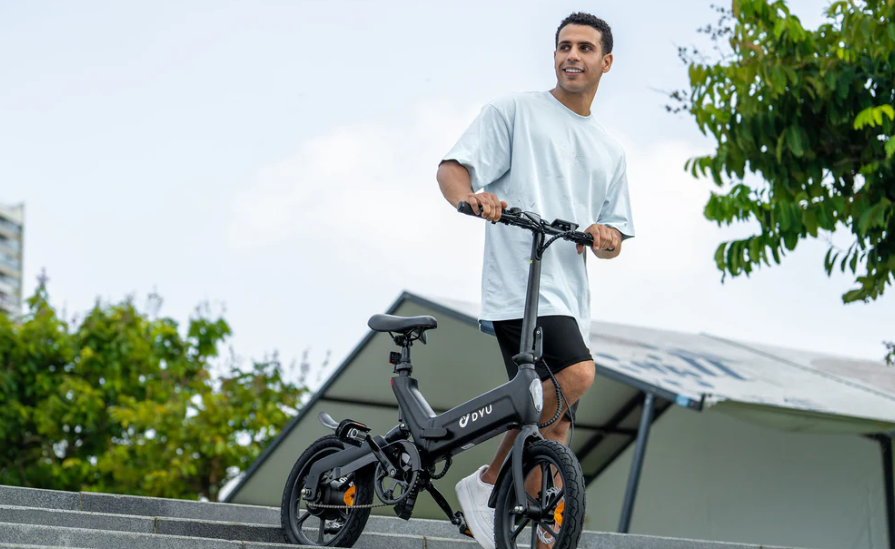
{"x": 588, "y": 240}
{"x": 465, "y": 208}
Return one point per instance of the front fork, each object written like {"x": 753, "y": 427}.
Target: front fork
{"x": 526, "y": 433}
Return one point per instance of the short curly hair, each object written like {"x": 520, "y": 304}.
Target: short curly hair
{"x": 582, "y": 18}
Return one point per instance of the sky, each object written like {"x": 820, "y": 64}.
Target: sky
{"x": 277, "y": 160}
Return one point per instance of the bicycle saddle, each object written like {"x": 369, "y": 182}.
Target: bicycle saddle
{"x": 400, "y": 324}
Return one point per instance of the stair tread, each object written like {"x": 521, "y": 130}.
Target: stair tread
{"x": 431, "y": 534}
{"x": 101, "y": 539}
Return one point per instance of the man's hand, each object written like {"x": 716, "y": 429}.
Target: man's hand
{"x": 489, "y": 206}
{"x": 607, "y": 241}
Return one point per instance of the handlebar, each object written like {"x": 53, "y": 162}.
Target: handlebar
{"x": 533, "y": 222}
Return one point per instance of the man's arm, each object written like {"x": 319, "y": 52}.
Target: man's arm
{"x": 453, "y": 179}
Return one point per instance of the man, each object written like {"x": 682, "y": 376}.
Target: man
{"x": 542, "y": 152}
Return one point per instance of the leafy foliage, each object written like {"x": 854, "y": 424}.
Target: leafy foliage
{"x": 811, "y": 113}
{"x": 124, "y": 403}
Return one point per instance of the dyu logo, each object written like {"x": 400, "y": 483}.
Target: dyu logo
{"x": 464, "y": 421}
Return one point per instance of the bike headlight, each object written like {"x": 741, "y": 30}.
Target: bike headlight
{"x": 537, "y": 394}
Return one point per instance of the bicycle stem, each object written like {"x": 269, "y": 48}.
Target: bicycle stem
{"x": 530, "y": 316}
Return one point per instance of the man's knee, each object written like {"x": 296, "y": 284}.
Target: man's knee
{"x": 579, "y": 376}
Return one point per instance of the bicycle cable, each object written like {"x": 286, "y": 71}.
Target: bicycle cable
{"x": 560, "y": 398}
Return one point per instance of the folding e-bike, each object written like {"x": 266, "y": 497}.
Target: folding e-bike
{"x": 329, "y": 493}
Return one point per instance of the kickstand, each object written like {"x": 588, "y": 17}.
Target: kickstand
{"x": 457, "y": 519}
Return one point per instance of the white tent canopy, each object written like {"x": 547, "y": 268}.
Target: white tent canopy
{"x": 808, "y": 391}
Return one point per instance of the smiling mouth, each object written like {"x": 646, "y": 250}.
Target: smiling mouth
{"x": 572, "y": 70}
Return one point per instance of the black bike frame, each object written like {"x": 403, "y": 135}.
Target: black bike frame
{"x": 509, "y": 406}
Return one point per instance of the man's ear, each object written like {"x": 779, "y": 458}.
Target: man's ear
{"x": 607, "y": 62}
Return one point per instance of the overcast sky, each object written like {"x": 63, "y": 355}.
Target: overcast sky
{"x": 278, "y": 159}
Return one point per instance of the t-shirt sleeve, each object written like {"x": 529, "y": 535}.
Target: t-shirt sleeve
{"x": 616, "y": 210}
{"x": 484, "y": 148}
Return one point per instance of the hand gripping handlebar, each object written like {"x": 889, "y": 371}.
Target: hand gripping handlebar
{"x": 533, "y": 222}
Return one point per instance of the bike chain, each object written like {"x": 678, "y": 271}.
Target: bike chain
{"x": 432, "y": 476}
{"x": 366, "y": 505}
{"x": 447, "y": 465}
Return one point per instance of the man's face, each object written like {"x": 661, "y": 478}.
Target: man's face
{"x": 579, "y": 59}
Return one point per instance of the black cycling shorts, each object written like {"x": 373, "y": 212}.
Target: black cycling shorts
{"x": 563, "y": 344}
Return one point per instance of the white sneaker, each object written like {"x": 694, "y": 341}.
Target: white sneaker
{"x": 473, "y": 494}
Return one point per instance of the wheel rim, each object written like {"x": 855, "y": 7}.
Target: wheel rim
{"x": 319, "y": 526}
{"x": 522, "y": 531}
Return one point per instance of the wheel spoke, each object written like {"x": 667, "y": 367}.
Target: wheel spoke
{"x": 534, "y": 536}
{"x": 560, "y": 494}
{"x": 546, "y": 529}
{"x": 321, "y": 531}
{"x": 519, "y": 529}
{"x": 544, "y": 468}
{"x": 303, "y": 518}
{"x": 555, "y": 499}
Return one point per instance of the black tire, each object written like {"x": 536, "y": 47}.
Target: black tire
{"x": 294, "y": 513}
{"x": 560, "y": 459}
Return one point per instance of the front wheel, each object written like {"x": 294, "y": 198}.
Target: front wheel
{"x": 348, "y": 498}
{"x": 557, "y": 516}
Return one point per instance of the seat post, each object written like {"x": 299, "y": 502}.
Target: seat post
{"x": 404, "y": 367}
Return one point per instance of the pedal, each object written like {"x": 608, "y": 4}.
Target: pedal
{"x": 459, "y": 521}
{"x": 405, "y": 509}
{"x": 352, "y": 432}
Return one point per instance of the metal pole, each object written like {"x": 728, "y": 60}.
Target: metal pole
{"x": 885, "y": 442}
{"x": 646, "y": 419}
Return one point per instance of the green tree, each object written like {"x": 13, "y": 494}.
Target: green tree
{"x": 810, "y": 112}
{"x": 124, "y": 403}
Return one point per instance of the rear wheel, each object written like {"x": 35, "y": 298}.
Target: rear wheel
{"x": 557, "y": 515}
{"x": 306, "y": 524}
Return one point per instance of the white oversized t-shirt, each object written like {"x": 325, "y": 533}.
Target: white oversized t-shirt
{"x": 538, "y": 155}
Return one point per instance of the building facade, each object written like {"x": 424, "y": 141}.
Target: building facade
{"x": 12, "y": 229}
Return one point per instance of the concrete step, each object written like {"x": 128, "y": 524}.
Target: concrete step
{"x": 83, "y": 538}
{"x": 205, "y": 529}
{"x": 137, "y": 505}
{"x": 67, "y": 519}
{"x": 22, "y": 546}
{"x": 181, "y": 510}
{"x": 24, "y": 535}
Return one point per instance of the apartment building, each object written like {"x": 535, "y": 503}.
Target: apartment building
{"x": 12, "y": 223}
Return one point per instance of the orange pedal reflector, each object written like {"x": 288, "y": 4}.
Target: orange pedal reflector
{"x": 348, "y": 498}
{"x": 557, "y": 515}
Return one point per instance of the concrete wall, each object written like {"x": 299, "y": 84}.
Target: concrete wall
{"x": 715, "y": 477}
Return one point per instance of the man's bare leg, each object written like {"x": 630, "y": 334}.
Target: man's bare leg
{"x": 575, "y": 381}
